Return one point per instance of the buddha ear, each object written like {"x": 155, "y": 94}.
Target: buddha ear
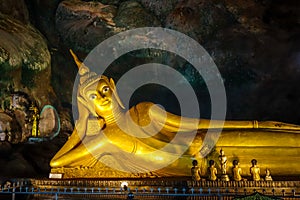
{"x": 115, "y": 93}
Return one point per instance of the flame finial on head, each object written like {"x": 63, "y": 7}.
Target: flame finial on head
{"x": 83, "y": 69}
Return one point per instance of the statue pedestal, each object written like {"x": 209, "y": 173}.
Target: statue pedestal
{"x": 225, "y": 177}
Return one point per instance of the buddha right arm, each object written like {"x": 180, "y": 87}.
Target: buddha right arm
{"x": 73, "y": 140}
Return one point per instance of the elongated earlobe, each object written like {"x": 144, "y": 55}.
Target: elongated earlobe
{"x": 115, "y": 93}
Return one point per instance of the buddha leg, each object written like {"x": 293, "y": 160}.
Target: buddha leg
{"x": 176, "y": 123}
{"x": 276, "y": 150}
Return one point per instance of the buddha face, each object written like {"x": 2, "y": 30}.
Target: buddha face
{"x": 101, "y": 98}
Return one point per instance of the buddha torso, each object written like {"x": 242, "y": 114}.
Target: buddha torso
{"x": 195, "y": 173}
{"x": 255, "y": 172}
{"x": 212, "y": 173}
{"x": 236, "y": 171}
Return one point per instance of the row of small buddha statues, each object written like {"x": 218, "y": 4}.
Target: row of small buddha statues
{"x": 236, "y": 170}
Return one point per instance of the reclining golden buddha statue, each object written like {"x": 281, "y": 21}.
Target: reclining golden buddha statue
{"x": 147, "y": 141}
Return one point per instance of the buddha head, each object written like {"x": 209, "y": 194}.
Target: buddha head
{"x": 235, "y": 163}
{"x": 254, "y": 162}
{"x": 268, "y": 172}
{"x": 195, "y": 163}
{"x": 96, "y": 92}
{"x": 101, "y": 96}
{"x": 222, "y": 152}
{"x": 211, "y": 163}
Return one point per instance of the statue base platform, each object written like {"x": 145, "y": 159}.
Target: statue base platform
{"x": 164, "y": 188}
{"x": 225, "y": 177}
{"x": 100, "y": 170}
{"x": 180, "y": 182}
{"x": 103, "y": 172}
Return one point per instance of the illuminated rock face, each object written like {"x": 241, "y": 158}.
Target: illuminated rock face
{"x": 90, "y": 23}
{"x": 24, "y": 56}
{"x": 106, "y": 141}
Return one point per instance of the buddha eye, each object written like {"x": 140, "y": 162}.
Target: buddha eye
{"x": 105, "y": 89}
{"x": 93, "y": 96}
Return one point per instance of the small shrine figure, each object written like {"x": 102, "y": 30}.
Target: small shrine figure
{"x": 236, "y": 171}
{"x": 195, "y": 171}
{"x": 268, "y": 176}
{"x": 212, "y": 171}
{"x": 35, "y": 121}
{"x": 223, "y": 162}
{"x": 255, "y": 171}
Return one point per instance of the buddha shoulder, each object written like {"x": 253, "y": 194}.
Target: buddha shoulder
{"x": 140, "y": 113}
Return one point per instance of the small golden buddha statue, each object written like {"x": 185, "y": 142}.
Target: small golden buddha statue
{"x": 255, "y": 171}
{"x": 212, "y": 171}
{"x": 196, "y": 173}
{"x": 35, "y": 132}
{"x": 236, "y": 171}
{"x": 223, "y": 161}
{"x": 268, "y": 176}
{"x": 109, "y": 141}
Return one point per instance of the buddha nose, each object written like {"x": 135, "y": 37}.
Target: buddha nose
{"x": 102, "y": 95}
